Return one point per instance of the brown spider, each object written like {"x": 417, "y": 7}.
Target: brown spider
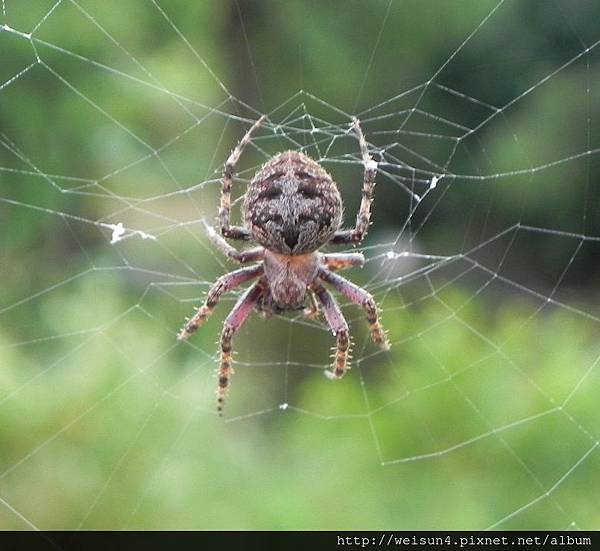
{"x": 292, "y": 208}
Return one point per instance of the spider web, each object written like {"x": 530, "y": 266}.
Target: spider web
{"x": 481, "y": 416}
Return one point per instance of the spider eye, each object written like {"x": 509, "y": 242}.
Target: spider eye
{"x": 270, "y": 193}
{"x": 308, "y": 191}
{"x": 302, "y": 175}
{"x": 275, "y": 218}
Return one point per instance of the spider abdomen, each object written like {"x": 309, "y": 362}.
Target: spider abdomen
{"x": 292, "y": 205}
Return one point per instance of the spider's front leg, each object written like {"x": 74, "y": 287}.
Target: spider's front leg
{"x": 234, "y": 321}
{"x": 356, "y": 235}
{"x": 364, "y": 299}
{"x": 339, "y": 328}
{"x": 234, "y": 232}
{"x": 222, "y": 285}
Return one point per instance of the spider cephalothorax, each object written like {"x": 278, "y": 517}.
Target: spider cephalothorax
{"x": 292, "y": 208}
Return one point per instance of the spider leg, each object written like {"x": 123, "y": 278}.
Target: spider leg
{"x": 312, "y": 311}
{"x": 364, "y": 299}
{"x": 225, "y": 283}
{"x": 340, "y": 261}
{"x": 243, "y": 257}
{"x": 356, "y": 235}
{"x": 234, "y": 321}
{"x": 339, "y": 327}
{"x": 234, "y": 232}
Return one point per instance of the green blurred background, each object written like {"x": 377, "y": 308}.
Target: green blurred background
{"x": 483, "y": 414}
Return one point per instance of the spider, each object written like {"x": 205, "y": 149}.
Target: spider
{"x": 291, "y": 209}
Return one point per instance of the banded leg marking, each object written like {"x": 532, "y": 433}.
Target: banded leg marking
{"x": 234, "y": 232}
{"x": 234, "y": 321}
{"x": 339, "y": 327}
{"x": 364, "y": 299}
{"x": 225, "y": 283}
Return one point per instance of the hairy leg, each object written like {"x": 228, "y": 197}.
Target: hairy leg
{"x": 339, "y": 327}
{"x": 243, "y": 257}
{"x": 225, "y": 283}
{"x": 234, "y": 321}
{"x": 341, "y": 261}
{"x": 356, "y": 235}
{"x": 234, "y": 232}
{"x": 364, "y": 299}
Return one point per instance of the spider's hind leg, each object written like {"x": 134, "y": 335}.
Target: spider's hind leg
{"x": 355, "y": 235}
{"x": 243, "y": 257}
{"x": 227, "y": 230}
{"x": 342, "y": 261}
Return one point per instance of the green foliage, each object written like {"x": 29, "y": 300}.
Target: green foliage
{"x": 118, "y": 430}
{"x": 483, "y": 413}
